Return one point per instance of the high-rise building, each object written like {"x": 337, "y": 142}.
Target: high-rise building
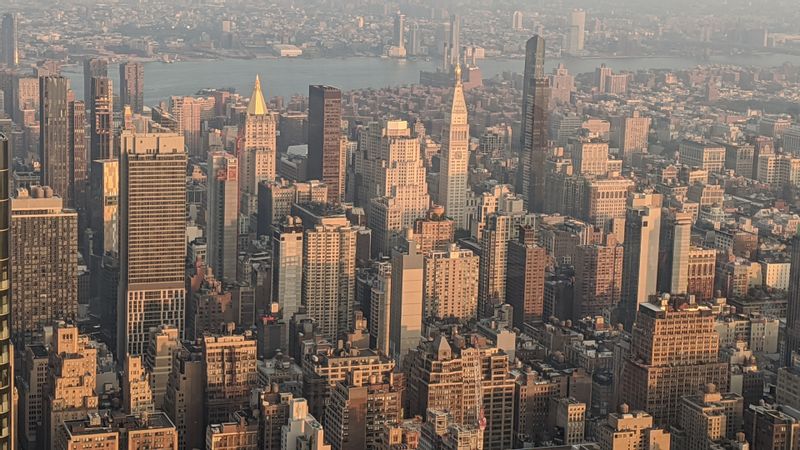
{"x": 576, "y": 35}
{"x": 99, "y": 431}
{"x": 493, "y": 264}
{"x": 562, "y": 85}
{"x": 10, "y": 50}
{"x": 533, "y": 132}
{"x": 435, "y": 231}
{"x": 137, "y": 397}
{"x": 131, "y": 85}
{"x": 598, "y": 278}
{"x": 152, "y": 237}
{"x": 275, "y": 200}
{"x": 399, "y": 38}
{"x": 405, "y": 312}
{"x": 44, "y": 261}
{"x": 702, "y": 155}
{"x": 525, "y": 277}
{"x": 358, "y": 410}
{"x": 452, "y": 46}
{"x": 701, "y": 272}
{"x": 516, "y": 21}
{"x": 392, "y": 182}
{"x": 32, "y": 389}
{"x": 223, "y": 214}
{"x": 589, "y": 156}
{"x": 186, "y": 111}
{"x": 674, "y": 250}
{"x": 287, "y": 267}
{"x": 257, "y": 148}
{"x": 709, "y": 417}
{"x": 631, "y": 429}
{"x": 164, "y": 341}
{"x": 634, "y": 132}
{"x": 454, "y": 159}
{"x": 184, "y": 399}
{"x": 78, "y": 157}
{"x": 792, "y": 347}
{"x": 771, "y": 426}
{"x": 71, "y": 380}
{"x": 674, "y": 353}
{"x": 640, "y": 263}
{"x": 229, "y": 363}
{"x": 7, "y": 416}
{"x": 329, "y": 277}
{"x": 451, "y": 284}
{"x": 54, "y": 142}
{"x": 326, "y": 152}
{"x": 101, "y": 110}
{"x": 92, "y": 68}
{"x": 303, "y": 432}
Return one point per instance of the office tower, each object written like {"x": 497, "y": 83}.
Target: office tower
{"x": 562, "y": 85}
{"x": 589, "y": 156}
{"x": 163, "y": 341}
{"x": 229, "y": 363}
{"x": 328, "y": 289}
{"x": 223, "y": 214}
{"x": 576, "y": 36}
{"x": 44, "y": 262}
{"x": 101, "y": 110}
{"x": 634, "y": 132}
{"x": 631, "y": 429}
{"x": 275, "y": 200}
{"x": 287, "y": 269}
{"x": 413, "y": 39}
{"x": 451, "y": 284}
{"x": 257, "y": 146}
{"x": 71, "y": 380}
{"x": 454, "y": 381}
{"x": 26, "y": 99}
{"x": 7, "y": 419}
{"x": 533, "y": 132}
{"x": 674, "y": 352}
{"x": 709, "y": 417}
{"x": 598, "y": 278}
{"x": 405, "y": 313}
{"x": 92, "y": 68}
{"x": 380, "y": 301}
{"x": 454, "y": 159}
{"x": 399, "y": 38}
{"x": 674, "y": 250}
{"x": 793, "y": 306}
{"x": 358, "y": 409}
{"x": 104, "y": 211}
{"x": 771, "y": 427}
{"x": 702, "y": 155}
{"x": 435, "y": 231}
{"x": 640, "y": 263}
{"x": 9, "y": 39}
{"x": 393, "y": 184}
{"x": 184, "y": 399}
{"x": 136, "y": 393}
{"x": 601, "y": 74}
{"x": 525, "y": 277}
{"x": 516, "y": 21}
{"x": 78, "y": 156}
{"x": 494, "y": 253}
{"x": 240, "y": 432}
{"x": 303, "y": 432}
{"x": 152, "y": 237}
{"x": 186, "y": 111}
{"x": 54, "y": 144}
{"x": 326, "y": 152}
{"x": 131, "y": 85}
{"x": 32, "y": 387}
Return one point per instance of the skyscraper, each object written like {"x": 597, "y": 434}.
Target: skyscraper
{"x": 54, "y": 142}
{"x": 7, "y": 425}
{"x": 674, "y": 250}
{"x": 186, "y": 111}
{"x": 454, "y": 42}
{"x": 451, "y": 284}
{"x": 131, "y": 85}
{"x": 455, "y": 158}
{"x": 399, "y": 38}
{"x": 9, "y": 39}
{"x": 229, "y": 363}
{"x": 494, "y": 252}
{"x": 405, "y": 311}
{"x": 102, "y": 119}
{"x": 326, "y": 153}
{"x": 516, "y": 21}
{"x": 287, "y": 267}
{"x": 44, "y": 262}
{"x": 257, "y": 148}
{"x": 576, "y": 35}
{"x": 329, "y": 277}
{"x": 92, "y": 68}
{"x": 598, "y": 278}
{"x": 793, "y": 311}
{"x": 78, "y": 156}
{"x": 640, "y": 262}
{"x": 223, "y": 214}
{"x": 152, "y": 237}
{"x": 535, "y": 98}
{"x": 525, "y": 277}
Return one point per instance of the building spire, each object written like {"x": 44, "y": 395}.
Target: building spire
{"x": 257, "y": 105}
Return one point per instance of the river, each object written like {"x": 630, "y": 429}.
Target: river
{"x": 286, "y": 76}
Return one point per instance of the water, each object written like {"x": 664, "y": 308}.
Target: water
{"x": 286, "y": 76}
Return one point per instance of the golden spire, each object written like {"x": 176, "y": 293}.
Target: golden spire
{"x": 257, "y": 105}
{"x": 458, "y": 73}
